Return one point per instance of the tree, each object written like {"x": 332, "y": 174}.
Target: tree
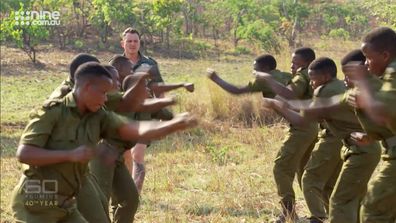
{"x": 25, "y": 34}
{"x": 383, "y": 11}
{"x": 165, "y": 16}
{"x": 109, "y": 14}
{"x": 293, "y": 14}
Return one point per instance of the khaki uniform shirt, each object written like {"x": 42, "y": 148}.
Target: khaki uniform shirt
{"x": 300, "y": 84}
{"x": 59, "y": 126}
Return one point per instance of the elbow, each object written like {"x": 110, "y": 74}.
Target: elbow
{"x": 22, "y": 154}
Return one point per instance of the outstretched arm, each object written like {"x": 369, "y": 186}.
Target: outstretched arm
{"x": 276, "y": 87}
{"x": 161, "y": 88}
{"x": 282, "y": 108}
{"x": 155, "y": 104}
{"x": 135, "y": 94}
{"x": 149, "y": 130}
{"x": 225, "y": 85}
{"x": 320, "y": 108}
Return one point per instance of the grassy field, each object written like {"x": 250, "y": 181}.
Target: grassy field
{"x": 218, "y": 172}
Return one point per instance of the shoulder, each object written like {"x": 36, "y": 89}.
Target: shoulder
{"x": 148, "y": 60}
{"x": 50, "y": 110}
{"x": 330, "y": 89}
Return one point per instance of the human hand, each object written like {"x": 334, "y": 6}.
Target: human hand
{"x": 81, "y": 154}
{"x": 211, "y": 73}
{"x": 355, "y": 71}
{"x": 189, "y": 87}
{"x": 186, "y": 120}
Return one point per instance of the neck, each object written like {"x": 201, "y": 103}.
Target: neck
{"x": 80, "y": 106}
{"x": 133, "y": 57}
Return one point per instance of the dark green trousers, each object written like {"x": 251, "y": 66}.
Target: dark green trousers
{"x": 321, "y": 174}
{"x": 379, "y": 205}
{"x": 116, "y": 183}
{"x": 359, "y": 164}
{"x": 291, "y": 159}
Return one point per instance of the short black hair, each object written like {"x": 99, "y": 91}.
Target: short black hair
{"x": 120, "y": 61}
{"x": 91, "y": 70}
{"x": 109, "y": 68}
{"x": 306, "y": 53}
{"x": 266, "y": 60}
{"x": 324, "y": 65}
{"x": 130, "y": 30}
{"x": 78, "y": 60}
{"x": 382, "y": 39}
{"x": 355, "y": 55}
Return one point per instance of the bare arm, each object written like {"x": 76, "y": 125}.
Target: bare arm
{"x": 135, "y": 94}
{"x": 278, "y": 88}
{"x": 281, "y": 107}
{"x": 320, "y": 108}
{"x": 161, "y": 88}
{"x": 37, "y": 156}
{"x": 230, "y": 88}
{"x": 155, "y": 104}
{"x": 149, "y": 130}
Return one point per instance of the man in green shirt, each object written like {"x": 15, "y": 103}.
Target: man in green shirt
{"x": 59, "y": 141}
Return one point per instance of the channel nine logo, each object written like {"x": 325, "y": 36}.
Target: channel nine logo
{"x": 41, "y": 18}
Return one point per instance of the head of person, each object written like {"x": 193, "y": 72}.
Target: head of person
{"x": 78, "y": 60}
{"x": 123, "y": 66}
{"x": 321, "y": 71}
{"x": 379, "y": 47}
{"x": 114, "y": 77}
{"x": 130, "y": 41}
{"x": 264, "y": 63}
{"x": 355, "y": 57}
{"x": 301, "y": 58}
{"x": 93, "y": 81}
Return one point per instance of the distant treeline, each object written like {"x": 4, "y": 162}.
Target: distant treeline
{"x": 184, "y": 25}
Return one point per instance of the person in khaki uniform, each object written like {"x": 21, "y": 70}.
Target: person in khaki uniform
{"x": 67, "y": 85}
{"x": 112, "y": 175}
{"x": 154, "y": 83}
{"x": 125, "y": 198}
{"x": 360, "y": 156}
{"x": 59, "y": 140}
{"x": 84, "y": 202}
{"x": 324, "y": 165}
{"x": 379, "y": 46}
{"x": 296, "y": 149}
{"x": 264, "y": 63}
